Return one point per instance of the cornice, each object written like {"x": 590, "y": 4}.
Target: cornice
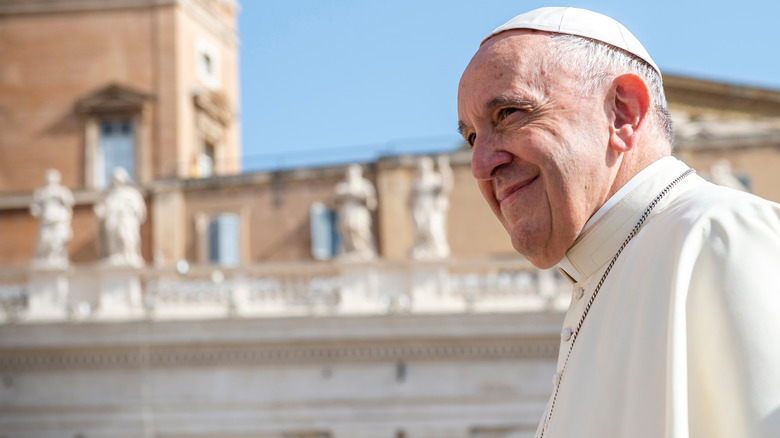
{"x": 113, "y": 98}
{"x": 770, "y": 140}
{"x": 255, "y": 178}
{"x": 457, "y": 158}
{"x": 259, "y": 355}
{"x": 721, "y": 96}
{"x": 14, "y": 7}
{"x": 195, "y": 8}
{"x": 15, "y": 201}
{"x": 220, "y": 29}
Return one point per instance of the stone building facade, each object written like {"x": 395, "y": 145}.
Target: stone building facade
{"x": 85, "y": 86}
{"x": 233, "y": 328}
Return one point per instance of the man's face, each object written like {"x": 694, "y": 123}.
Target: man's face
{"x": 539, "y": 146}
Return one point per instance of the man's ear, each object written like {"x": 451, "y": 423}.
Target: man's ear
{"x": 629, "y": 103}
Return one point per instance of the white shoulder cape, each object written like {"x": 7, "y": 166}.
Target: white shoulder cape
{"x": 682, "y": 338}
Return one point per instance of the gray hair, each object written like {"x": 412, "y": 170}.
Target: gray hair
{"x": 601, "y": 62}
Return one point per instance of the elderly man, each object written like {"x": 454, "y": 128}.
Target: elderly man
{"x": 674, "y": 318}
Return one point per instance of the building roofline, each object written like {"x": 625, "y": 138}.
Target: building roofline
{"x": 721, "y": 95}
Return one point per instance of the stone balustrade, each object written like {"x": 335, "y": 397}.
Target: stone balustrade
{"x": 104, "y": 292}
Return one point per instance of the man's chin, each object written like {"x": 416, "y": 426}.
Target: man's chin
{"x": 540, "y": 259}
{"x": 546, "y": 264}
{"x": 542, "y": 262}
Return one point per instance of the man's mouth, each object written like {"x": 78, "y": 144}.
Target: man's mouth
{"x": 515, "y": 188}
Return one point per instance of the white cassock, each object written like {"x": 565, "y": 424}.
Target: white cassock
{"x": 683, "y": 337}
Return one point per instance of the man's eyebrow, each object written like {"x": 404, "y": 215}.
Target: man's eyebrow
{"x": 498, "y": 102}
{"x": 462, "y": 128}
{"x": 502, "y": 101}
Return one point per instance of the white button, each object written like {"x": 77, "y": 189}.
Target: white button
{"x": 578, "y": 293}
{"x": 556, "y": 379}
{"x": 566, "y": 334}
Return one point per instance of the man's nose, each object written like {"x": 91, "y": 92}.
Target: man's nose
{"x": 488, "y": 155}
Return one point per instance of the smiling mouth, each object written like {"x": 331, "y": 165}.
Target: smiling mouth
{"x": 507, "y": 191}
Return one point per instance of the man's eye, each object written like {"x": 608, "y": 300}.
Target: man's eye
{"x": 506, "y": 112}
{"x": 471, "y": 139}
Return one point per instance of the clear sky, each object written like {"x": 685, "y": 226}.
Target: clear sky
{"x": 331, "y": 81}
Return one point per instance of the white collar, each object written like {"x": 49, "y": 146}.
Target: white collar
{"x": 639, "y": 178}
{"x": 580, "y": 261}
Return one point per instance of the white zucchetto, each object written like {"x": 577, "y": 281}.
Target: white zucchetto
{"x": 580, "y": 22}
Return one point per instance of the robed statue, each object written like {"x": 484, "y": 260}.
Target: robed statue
{"x": 355, "y": 200}
{"x": 121, "y": 211}
{"x": 430, "y": 204}
{"x": 53, "y": 206}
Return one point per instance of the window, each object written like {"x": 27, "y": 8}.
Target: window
{"x": 206, "y": 161}
{"x": 324, "y": 234}
{"x": 206, "y": 67}
{"x": 224, "y": 244}
{"x": 115, "y": 148}
{"x": 207, "y": 58}
{"x": 115, "y": 134}
{"x": 208, "y": 151}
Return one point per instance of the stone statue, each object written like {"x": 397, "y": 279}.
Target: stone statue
{"x": 121, "y": 211}
{"x": 53, "y": 206}
{"x": 355, "y": 200}
{"x": 722, "y": 174}
{"x": 430, "y": 204}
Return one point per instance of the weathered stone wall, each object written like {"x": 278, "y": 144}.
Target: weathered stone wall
{"x": 440, "y": 376}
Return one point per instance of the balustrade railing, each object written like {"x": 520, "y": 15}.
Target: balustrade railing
{"x": 101, "y": 292}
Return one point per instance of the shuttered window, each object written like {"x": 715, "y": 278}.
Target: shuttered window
{"x": 224, "y": 238}
{"x": 116, "y": 149}
{"x": 324, "y": 235}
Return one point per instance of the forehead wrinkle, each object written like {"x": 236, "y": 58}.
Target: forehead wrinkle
{"x": 513, "y": 54}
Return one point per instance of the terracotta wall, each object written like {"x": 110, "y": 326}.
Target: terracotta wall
{"x": 50, "y": 61}
{"x": 17, "y": 241}
{"x": 189, "y": 34}
{"x": 274, "y": 208}
{"x": 18, "y": 233}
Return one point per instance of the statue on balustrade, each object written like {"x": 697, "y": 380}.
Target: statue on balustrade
{"x": 355, "y": 200}
{"x": 53, "y": 206}
{"x": 430, "y": 204}
{"x": 121, "y": 211}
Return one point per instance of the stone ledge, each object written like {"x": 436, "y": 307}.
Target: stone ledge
{"x": 50, "y": 6}
{"x": 323, "y": 330}
{"x": 194, "y": 356}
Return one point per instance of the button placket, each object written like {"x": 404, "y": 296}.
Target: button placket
{"x": 573, "y": 315}
{"x": 579, "y": 292}
{"x": 566, "y": 334}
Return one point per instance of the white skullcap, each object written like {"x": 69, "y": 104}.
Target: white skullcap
{"x": 580, "y": 22}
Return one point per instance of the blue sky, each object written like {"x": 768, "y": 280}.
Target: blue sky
{"x": 331, "y": 81}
